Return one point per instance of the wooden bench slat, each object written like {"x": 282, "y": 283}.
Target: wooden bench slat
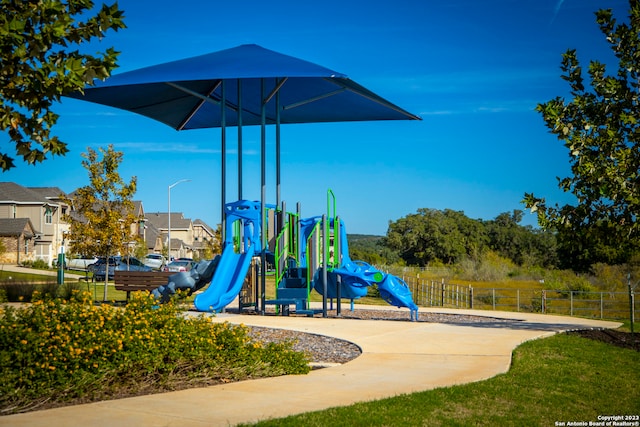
{"x": 130, "y": 281}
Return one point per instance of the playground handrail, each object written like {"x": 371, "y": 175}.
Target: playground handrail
{"x": 281, "y": 253}
{"x": 311, "y": 264}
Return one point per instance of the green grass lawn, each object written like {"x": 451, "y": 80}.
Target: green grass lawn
{"x": 558, "y": 379}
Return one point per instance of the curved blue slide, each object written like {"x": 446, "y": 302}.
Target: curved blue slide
{"x": 227, "y": 280}
{"x": 357, "y": 276}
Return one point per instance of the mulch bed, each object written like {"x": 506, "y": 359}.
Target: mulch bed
{"x": 612, "y": 336}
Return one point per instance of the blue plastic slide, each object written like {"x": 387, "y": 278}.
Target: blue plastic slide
{"x": 357, "y": 276}
{"x": 396, "y": 292}
{"x": 227, "y": 280}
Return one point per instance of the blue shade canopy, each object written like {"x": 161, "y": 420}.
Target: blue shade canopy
{"x": 187, "y": 94}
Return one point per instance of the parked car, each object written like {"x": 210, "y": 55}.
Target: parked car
{"x": 80, "y": 263}
{"x": 154, "y": 261}
{"x": 182, "y": 265}
{"x": 116, "y": 263}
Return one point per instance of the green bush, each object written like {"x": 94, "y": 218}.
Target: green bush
{"x": 39, "y": 264}
{"x": 566, "y": 281}
{"x": 60, "y": 351}
{"x": 489, "y": 266}
{"x": 18, "y": 291}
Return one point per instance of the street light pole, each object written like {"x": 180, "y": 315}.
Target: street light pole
{"x": 169, "y": 218}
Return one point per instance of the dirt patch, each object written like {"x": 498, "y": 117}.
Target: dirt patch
{"x": 611, "y": 336}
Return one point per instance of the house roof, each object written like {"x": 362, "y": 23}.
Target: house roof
{"x": 161, "y": 220}
{"x": 16, "y": 227}
{"x": 50, "y": 193}
{"x": 10, "y": 192}
{"x": 200, "y": 222}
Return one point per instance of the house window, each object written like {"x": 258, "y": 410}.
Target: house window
{"x": 48, "y": 216}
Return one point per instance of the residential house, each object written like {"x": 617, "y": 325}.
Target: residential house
{"x": 42, "y": 237}
{"x": 202, "y": 235}
{"x": 44, "y": 208}
{"x": 188, "y": 238}
{"x": 181, "y": 233}
{"x": 18, "y": 240}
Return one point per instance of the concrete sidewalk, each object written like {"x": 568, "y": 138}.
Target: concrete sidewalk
{"x": 397, "y": 358}
{"x": 68, "y": 274}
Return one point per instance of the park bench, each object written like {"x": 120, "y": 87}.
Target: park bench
{"x": 130, "y": 281}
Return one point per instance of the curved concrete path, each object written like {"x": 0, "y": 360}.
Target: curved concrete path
{"x": 397, "y": 358}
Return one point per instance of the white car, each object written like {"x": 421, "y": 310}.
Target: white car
{"x": 80, "y": 263}
{"x": 154, "y": 261}
{"x": 179, "y": 265}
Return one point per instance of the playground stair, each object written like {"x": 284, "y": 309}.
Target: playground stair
{"x": 292, "y": 291}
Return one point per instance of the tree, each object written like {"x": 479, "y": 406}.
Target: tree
{"x": 38, "y": 67}
{"x": 433, "y": 235}
{"x": 102, "y": 215}
{"x": 521, "y": 244}
{"x": 600, "y": 126}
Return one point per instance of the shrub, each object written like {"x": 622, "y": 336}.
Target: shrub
{"x": 39, "y": 264}
{"x": 18, "y": 291}
{"x": 490, "y": 266}
{"x": 63, "y": 351}
{"x": 566, "y": 281}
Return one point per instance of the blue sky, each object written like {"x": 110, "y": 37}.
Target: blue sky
{"x": 473, "y": 70}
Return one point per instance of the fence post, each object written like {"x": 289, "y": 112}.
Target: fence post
{"x": 431, "y": 294}
{"x": 470, "y": 297}
{"x": 571, "y": 305}
{"x": 601, "y": 305}
{"x": 518, "y": 299}
{"x": 493, "y": 293}
{"x": 544, "y": 301}
{"x": 442, "y": 294}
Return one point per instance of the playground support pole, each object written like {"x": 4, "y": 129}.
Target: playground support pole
{"x": 223, "y": 160}
{"x": 337, "y": 259}
{"x": 278, "y": 194}
{"x": 338, "y": 295}
{"x": 263, "y": 191}
{"x": 325, "y": 237}
{"x": 239, "y": 139}
{"x": 298, "y": 230}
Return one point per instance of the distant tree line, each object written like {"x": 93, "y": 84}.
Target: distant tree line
{"x": 448, "y": 237}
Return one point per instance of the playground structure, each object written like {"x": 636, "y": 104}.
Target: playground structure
{"x": 307, "y": 253}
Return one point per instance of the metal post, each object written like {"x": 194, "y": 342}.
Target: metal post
{"x": 60, "y": 263}
{"x": 338, "y": 295}
{"x": 278, "y": 195}
{"x": 324, "y": 265}
{"x": 223, "y": 160}
{"x": 169, "y": 217}
{"x": 239, "y": 139}
{"x": 263, "y": 195}
{"x": 571, "y": 304}
{"x": 631, "y": 305}
{"x": 298, "y": 236}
